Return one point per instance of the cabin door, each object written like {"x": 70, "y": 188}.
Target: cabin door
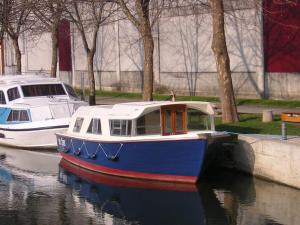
{"x": 173, "y": 119}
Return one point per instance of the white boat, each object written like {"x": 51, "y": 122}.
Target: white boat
{"x": 165, "y": 141}
{"x": 33, "y": 108}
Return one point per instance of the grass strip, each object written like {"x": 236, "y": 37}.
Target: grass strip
{"x": 252, "y": 124}
{"x": 161, "y": 97}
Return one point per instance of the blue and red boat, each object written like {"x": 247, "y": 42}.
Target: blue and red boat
{"x": 160, "y": 140}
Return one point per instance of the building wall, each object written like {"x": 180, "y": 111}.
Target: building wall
{"x": 183, "y": 59}
{"x": 283, "y": 85}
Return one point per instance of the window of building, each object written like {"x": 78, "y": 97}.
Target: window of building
{"x": 43, "y": 90}
{"x": 120, "y": 127}
{"x": 95, "y": 126}
{"x": 149, "y": 123}
{"x": 2, "y": 98}
{"x": 197, "y": 120}
{"x": 71, "y": 91}
{"x": 18, "y": 116}
{"x": 13, "y": 93}
{"x": 78, "y": 124}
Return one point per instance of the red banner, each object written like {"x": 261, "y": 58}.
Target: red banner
{"x": 64, "y": 46}
{"x": 282, "y": 35}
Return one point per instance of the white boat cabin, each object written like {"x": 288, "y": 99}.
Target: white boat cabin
{"x": 27, "y": 98}
{"x": 137, "y": 119}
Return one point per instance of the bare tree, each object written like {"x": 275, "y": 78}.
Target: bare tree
{"x": 49, "y": 12}
{"x": 1, "y": 21}
{"x": 17, "y": 18}
{"x": 88, "y": 16}
{"x": 139, "y": 15}
{"x": 219, "y": 47}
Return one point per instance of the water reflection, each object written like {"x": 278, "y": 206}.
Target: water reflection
{"x": 249, "y": 200}
{"x": 65, "y": 194}
{"x": 129, "y": 201}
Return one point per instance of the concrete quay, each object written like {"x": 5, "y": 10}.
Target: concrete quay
{"x": 265, "y": 156}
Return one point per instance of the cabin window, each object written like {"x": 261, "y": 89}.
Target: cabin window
{"x": 120, "y": 127}
{"x": 18, "y": 116}
{"x": 43, "y": 90}
{"x": 197, "y": 120}
{"x": 95, "y": 126}
{"x": 2, "y": 98}
{"x": 71, "y": 91}
{"x": 13, "y": 93}
{"x": 78, "y": 124}
{"x": 149, "y": 123}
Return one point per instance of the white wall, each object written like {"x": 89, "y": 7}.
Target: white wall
{"x": 183, "y": 59}
{"x": 38, "y": 53}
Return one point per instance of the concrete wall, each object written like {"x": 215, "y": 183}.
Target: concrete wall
{"x": 283, "y": 85}
{"x": 267, "y": 157}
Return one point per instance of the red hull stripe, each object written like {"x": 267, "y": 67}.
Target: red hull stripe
{"x": 124, "y": 181}
{"x": 131, "y": 174}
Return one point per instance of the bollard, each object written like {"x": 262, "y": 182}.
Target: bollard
{"x": 267, "y": 116}
{"x": 283, "y": 131}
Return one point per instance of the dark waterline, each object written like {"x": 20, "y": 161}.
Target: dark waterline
{"x": 37, "y": 188}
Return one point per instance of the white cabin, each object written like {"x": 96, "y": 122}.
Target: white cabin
{"x": 28, "y": 98}
{"x": 142, "y": 119}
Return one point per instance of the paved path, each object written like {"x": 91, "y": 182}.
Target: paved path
{"x": 241, "y": 109}
{"x": 291, "y": 139}
{"x": 259, "y": 109}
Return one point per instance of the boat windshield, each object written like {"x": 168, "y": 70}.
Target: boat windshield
{"x": 2, "y": 98}
{"x": 13, "y": 93}
{"x": 42, "y": 90}
{"x": 71, "y": 91}
{"x": 197, "y": 120}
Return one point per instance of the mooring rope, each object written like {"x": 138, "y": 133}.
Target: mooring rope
{"x": 83, "y": 147}
{"x": 112, "y": 157}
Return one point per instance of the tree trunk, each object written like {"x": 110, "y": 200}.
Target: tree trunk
{"x": 54, "y": 37}
{"x": 148, "y": 65}
{"x": 17, "y": 54}
{"x": 219, "y": 47}
{"x": 92, "y": 92}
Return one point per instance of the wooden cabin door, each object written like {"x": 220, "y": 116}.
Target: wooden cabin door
{"x": 173, "y": 119}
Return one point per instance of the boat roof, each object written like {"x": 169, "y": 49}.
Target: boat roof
{"x": 133, "y": 110}
{"x": 7, "y": 81}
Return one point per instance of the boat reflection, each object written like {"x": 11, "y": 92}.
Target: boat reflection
{"x": 140, "y": 202}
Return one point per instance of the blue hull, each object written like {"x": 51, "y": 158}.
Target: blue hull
{"x": 168, "y": 160}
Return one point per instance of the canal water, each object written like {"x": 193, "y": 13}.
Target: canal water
{"x": 38, "y": 188}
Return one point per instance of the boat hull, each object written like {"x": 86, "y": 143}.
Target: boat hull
{"x": 178, "y": 160}
{"x": 37, "y": 138}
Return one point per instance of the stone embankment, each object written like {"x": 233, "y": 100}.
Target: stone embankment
{"x": 266, "y": 156}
